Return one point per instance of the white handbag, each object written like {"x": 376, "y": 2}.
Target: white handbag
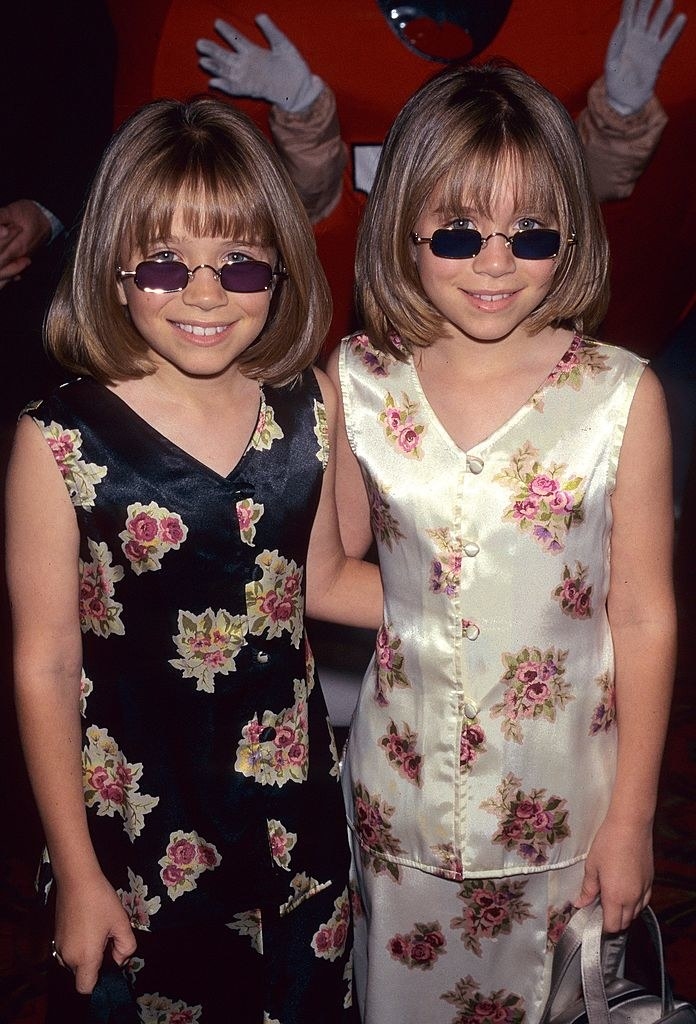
{"x": 586, "y": 961}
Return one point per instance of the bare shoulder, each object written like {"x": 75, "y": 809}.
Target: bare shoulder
{"x": 648, "y": 423}
{"x": 332, "y": 364}
{"x": 328, "y": 390}
{"x": 33, "y": 478}
{"x": 645, "y": 460}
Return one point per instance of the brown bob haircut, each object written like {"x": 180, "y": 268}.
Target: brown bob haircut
{"x": 466, "y": 130}
{"x": 209, "y": 160}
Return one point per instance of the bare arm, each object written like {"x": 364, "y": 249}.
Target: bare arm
{"x": 351, "y": 496}
{"x": 339, "y": 589}
{"x": 643, "y": 623}
{"x": 42, "y": 575}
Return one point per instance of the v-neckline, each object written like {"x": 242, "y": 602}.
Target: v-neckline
{"x": 182, "y": 452}
{"x": 507, "y": 424}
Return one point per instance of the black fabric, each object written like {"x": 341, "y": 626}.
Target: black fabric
{"x": 187, "y": 740}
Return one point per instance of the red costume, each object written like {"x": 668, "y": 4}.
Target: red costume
{"x": 371, "y": 73}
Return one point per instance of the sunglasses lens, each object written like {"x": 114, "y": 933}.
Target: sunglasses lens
{"x": 153, "y": 276}
{"x": 539, "y": 244}
{"x": 457, "y": 244}
{"x": 250, "y": 276}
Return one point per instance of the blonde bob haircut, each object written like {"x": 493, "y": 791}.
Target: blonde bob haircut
{"x": 469, "y": 131}
{"x": 209, "y": 161}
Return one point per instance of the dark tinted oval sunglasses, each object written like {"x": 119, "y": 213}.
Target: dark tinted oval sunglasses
{"x": 163, "y": 276}
{"x": 465, "y": 243}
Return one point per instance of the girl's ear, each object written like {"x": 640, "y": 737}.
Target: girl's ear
{"x": 121, "y": 292}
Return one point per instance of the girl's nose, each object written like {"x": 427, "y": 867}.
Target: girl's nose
{"x": 204, "y": 288}
{"x": 495, "y": 257}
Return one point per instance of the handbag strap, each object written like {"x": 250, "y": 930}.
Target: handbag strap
{"x": 593, "y": 988}
{"x": 582, "y": 937}
{"x": 565, "y": 954}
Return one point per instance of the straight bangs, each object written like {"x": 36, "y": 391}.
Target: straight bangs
{"x": 213, "y": 202}
{"x": 479, "y": 180}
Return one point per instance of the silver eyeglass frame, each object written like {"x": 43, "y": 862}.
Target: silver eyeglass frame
{"x": 420, "y": 240}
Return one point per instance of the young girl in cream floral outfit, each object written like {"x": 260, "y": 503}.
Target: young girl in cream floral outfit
{"x": 503, "y": 760}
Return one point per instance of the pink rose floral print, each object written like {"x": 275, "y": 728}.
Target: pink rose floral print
{"x": 136, "y": 903}
{"x": 582, "y": 360}
{"x": 112, "y": 784}
{"x": 267, "y": 430}
{"x": 248, "y": 514}
{"x": 99, "y": 611}
{"x": 449, "y": 860}
{"x": 401, "y": 426}
{"x": 276, "y": 749}
{"x": 400, "y": 749}
{"x": 574, "y": 593}
{"x": 151, "y": 531}
{"x": 378, "y": 363}
{"x": 604, "y": 717}
{"x": 275, "y": 603}
{"x": 208, "y": 644}
{"x": 390, "y": 666}
{"x": 499, "y": 1007}
{"x": 419, "y": 948}
{"x": 490, "y": 909}
{"x": 329, "y": 941}
{"x": 536, "y": 688}
{"x": 373, "y": 826}
{"x": 558, "y": 918}
{"x": 384, "y": 524}
{"x": 528, "y": 823}
{"x": 156, "y": 1009}
{"x": 546, "y": 501}
{"x": 446, "y": 567}
{"x": 471, "y": 745}
{"x": 281, "y": 843}
{"x": 186, "y": 858}
{"x": 80, "y": 478}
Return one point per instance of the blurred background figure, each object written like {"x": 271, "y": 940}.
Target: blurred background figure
{"x": 56, "y": 80}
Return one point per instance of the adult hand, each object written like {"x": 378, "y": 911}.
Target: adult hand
{"x": 636, "y": 50}
{"x": 90, "y": 917}
{"x": 23, "y": 228}
{"x": 279, "y": 75}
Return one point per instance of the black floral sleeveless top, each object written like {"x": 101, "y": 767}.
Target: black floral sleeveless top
{"x": 204, "y": 794}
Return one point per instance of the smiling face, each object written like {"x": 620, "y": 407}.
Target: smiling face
{"x": 202, "y": 330}
{"x": 488, "y": 297}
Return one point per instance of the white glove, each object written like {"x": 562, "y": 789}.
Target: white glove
{"x": 636, "y": 51}
{"x": 278, "y": 75}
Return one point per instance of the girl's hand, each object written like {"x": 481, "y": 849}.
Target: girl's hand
{"x": 619, "y": 869}
{"x": 89, "y": 916}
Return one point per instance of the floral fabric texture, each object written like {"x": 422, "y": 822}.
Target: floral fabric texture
{"x": 209, "y": 764}
{"x": 491, "y": 688}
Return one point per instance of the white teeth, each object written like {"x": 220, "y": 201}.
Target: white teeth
{"x": 203, "y": 332}
{"x": 493, "y": 298}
